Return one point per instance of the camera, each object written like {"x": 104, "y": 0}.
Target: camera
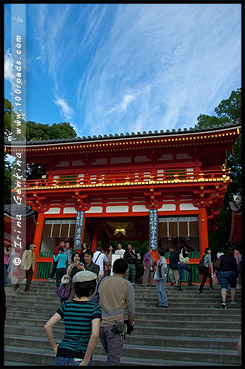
{"x": 119, "y": 328}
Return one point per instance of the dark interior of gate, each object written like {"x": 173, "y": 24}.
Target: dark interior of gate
{"x": 126, "y": 229}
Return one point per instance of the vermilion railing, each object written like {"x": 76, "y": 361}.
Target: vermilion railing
{"x": 125, "y": 177}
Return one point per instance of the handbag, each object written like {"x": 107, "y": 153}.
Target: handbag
{"x": 217, "y": 264}
{"x": 201, "y": 266}
{"x": 95, "y": 297}
{"x": 65, "y": 288}
{"x": 215, "y": 279}
{"x": 63, "y": 291}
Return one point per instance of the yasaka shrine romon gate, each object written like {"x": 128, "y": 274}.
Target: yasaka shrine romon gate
{"x": 153, "y": 186}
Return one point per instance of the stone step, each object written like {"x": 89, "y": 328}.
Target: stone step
{"x": 145, "y": 315}
{"x": 34, "y": 322}
{"x": 143, "y": 329}
{"x": 180, "y": 296}
{"x": 186, "y": 303}
{"x": 231, "y": 310}
{"x": 134, "y": 339}
{"x": 43, "y": 357}
{"x": 48, "y": 287}
{"x": 99, "y": 360}
{"x": 194, "y": 330}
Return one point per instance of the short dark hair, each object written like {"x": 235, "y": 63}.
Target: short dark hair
{"x": 8, "y": 247}
{"x": 206, "y": 250}
{"x": 120, "y": 266}
{"x": 85, "y": 288}
{"x": 61, "y": 249}
{"x": 99, "y": 248}
{"x": 230, "y": 251}
{"x": 75, "y": 253}
{"x": 89, "y": 252}
{"x": 161, "y": 251}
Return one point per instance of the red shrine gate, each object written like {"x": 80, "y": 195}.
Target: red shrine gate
{"x": 150, "y": 186}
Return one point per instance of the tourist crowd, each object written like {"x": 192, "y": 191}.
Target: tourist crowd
{"x": 94, "y": 289}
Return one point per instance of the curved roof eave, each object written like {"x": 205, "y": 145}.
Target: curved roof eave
{"x": 127, "y": 136}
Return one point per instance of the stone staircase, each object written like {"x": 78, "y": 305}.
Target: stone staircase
{"x": 194, "y": 330}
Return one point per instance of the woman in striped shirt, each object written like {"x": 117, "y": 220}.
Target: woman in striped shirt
{"x": 82, "y": 323}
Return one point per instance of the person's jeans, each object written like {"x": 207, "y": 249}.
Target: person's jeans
{"x": 59, "y": 274}
{"x": 131, "y": 267}
{"x": 51, "y": 275}
{"x": 181, "y": 266}
{"x": 227, "y": 277}
{"x": 5, "y": 274}
{"x": 206, "y": 275}
{"x": 68, "y": 361}
{"x": 163, "y": 300}
{"x": 112, "y": 344}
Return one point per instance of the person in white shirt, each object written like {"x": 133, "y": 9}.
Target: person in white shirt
{"x": 120, "y": 251}
{"x": 99, "y": 258}
{"x": 220, "y": 253}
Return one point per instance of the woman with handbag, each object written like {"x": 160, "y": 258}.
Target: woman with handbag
{"x": 206, "y": 272}
{"x": 182, "y": 264}
{"x": 148, "y": 268}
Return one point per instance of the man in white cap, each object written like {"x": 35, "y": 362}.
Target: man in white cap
{"x": 82, "y": 323}
{"x": 27, "y": 268}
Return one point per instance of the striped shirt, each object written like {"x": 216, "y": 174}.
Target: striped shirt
{"x": 78, "y": 316}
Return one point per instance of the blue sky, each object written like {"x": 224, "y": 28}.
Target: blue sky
{"x": 127, "y": 67}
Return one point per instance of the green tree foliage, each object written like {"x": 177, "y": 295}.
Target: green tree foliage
{"x": 38, "y": 131}
{"x": 227, "y": 111}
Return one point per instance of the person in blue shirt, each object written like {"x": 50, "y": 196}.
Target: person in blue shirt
{"x": 61, "y": 258}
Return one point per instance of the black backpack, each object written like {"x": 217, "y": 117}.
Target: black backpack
{"x": 201, "y": 266}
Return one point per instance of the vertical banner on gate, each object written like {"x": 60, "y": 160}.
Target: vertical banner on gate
{"x": 78, "y": 230}
{"x": 153, "y": 229}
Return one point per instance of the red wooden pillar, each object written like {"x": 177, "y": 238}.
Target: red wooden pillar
{"x": 203, "y": 230}
{"x": 38, "y": 238}
{"x": 94, "y": 240}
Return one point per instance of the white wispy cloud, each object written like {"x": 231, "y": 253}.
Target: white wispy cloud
{"x": 136, "y": 67}
{"x": 179, "y": 58}
{"x": 9, "y": 74}
{"x": 18, "y": 19}
{"x": 127, "y": 99}
{"x": 66, "y": 110}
